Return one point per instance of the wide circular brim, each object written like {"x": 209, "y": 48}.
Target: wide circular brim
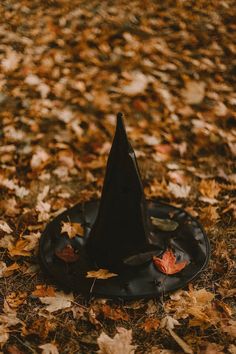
{"x": 188, "y": 242}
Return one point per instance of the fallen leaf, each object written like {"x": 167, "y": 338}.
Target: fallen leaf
{"x": 10, "y": 270}
{"x": 58, "y": 302}
{"x": 179, "y": 191}
{"x": 194, "y": 92}
{"x": 49, "y": 348}
{"x": 164, "y": 224}
{"x": 209, "y": 188}
{"x": 4, "y": 335}
{"x": 72, "y": 229}
{"x": 120, "y": 343}
{"x": 100, "y": 274}
{"x": 150, "y": 324}
{"x": 114, "y": 314}
{"x": 5, "y": 227}
{"x": 11, "y": 62}
{"x": 213, "y": 348}
{"x": 67, "y": 254}
{"x": 137, "y": 85}
{"x": 232, "y": 349}
{"x": 39, "y": 160}
{"x": 43, "y": 290}
{"x": 167, "y": 264}
{"x": 15, "y": 299}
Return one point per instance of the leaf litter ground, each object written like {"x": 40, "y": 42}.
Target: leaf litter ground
{"x": 66, "y": 69}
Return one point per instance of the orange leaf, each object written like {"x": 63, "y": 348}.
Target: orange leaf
{"x": 167, "y": 264}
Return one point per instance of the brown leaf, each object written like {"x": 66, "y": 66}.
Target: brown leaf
{"x": 167, "y": 264}
{"x": 150, "y": 324}
{"x": 67, "y": 254}
{"x": 72, "y": 229}
{"x": 114, "y": 314}
{"x": 209, "y": 188}
{"x": 100, "y": 274}
{"x": 43, "y": 290}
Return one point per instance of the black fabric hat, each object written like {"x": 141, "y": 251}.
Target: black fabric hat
{"x": 122, "y": 234}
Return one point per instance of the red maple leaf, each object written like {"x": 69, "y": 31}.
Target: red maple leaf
{"x": 167, "y": 264}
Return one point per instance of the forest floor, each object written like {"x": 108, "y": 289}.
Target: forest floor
{"x": 67, "y": 68}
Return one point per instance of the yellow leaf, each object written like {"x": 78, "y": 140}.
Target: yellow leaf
{"x": 100, "y": 274}
{"x": 72, "y": 229}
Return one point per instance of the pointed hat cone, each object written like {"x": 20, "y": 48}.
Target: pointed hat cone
{"x": 121, "y": 237}
{"x": 120, "y": 229}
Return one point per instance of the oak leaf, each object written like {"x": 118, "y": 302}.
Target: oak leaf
{"x": 167, "y": 264}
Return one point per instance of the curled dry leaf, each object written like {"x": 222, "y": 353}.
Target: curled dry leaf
{"x": 167, "y": 264}
{"x": 121, "y": 343}
{"x": 72, "y": 229}
{"x": 100, "y": 274}
{"x": 164, "y": 224}
{"x": 67, "y": 254}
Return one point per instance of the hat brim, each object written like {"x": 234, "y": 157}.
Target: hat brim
{"x": 188, "y": 242}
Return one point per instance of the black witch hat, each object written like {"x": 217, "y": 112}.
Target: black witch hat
{"x": 123, "y": 234}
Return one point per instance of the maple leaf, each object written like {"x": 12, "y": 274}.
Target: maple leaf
{"x": 67, "y": 254}
{"x": 49, "y": 348}
{"x": 72, "y": 229}
{"x": 167, "y": 264}
{"x": 58, "y": 302}
{"x": 121, "y": 343}
{"x": 100, "y": 274}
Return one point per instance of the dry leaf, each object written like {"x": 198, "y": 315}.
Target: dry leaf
{"x": 167, "y": 264}
{"x": 72, "y": 229}
{"x": 137, "y": 85}
{"x": 213, "y": 348}
{"x": 179, "y": 191}
{"x": 5, "y": 227}
{"x": 121, "y": 343}
{"x": 43, "y": 290}
{"x": 58, "y": 302}
{"x": 15, "y": 299}
{"x": 67, "y": 254}
{"x": 100, "y": 274}
{"x": 11, "y": 62}
{"x": 114, "y": 314}
{"x": 209, "y": 188}
{"x": 164, "y": 224}
{"x": 150, "y": 324}
{"x": 49, "y": 348}
{"x": 39, "y": 159}
{"x": 194, "y": 92}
